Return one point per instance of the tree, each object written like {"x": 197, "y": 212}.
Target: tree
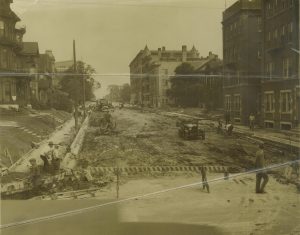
{"x": 72, "y": 83}
{"x": 119, "y": 93}
{"x": 188, "y": 90}
{"x": 125, "y": 93}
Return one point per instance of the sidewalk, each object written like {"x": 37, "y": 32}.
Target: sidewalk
{"x": 57, "y": 137}
{"x": 281, "y": 138}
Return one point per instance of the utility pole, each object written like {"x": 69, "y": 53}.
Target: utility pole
{"x": 75, "y": 73}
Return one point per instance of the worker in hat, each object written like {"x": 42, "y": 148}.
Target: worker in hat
{"x": 35, "y": 173}
{"x": 261, "y": 173}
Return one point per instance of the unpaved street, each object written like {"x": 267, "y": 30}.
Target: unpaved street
{"x": 151, "y": 139}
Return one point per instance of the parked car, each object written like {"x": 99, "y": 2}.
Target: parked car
{"x": 190, "y": 129}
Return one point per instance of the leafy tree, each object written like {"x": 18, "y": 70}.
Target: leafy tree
{"x": 125, "y": 93}
{"x": 72, "y": 82}
{"x": 119, "y": 93}
{"x": 187, "y": 90}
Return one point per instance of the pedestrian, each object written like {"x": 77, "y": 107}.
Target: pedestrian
{"x": 227, "y": 117}
{"x": 50, "y": 154}
{"x": 219, "y": 128}
{"x": 261, "y": 171}
{"x": 47, "y": 166}
{"x": 35, "y": 174}
{"x": 56, "y": 159}
{"x": 204, "y": 178}
{"x": 229, "y": 129}
{"x": 251, "y": 121}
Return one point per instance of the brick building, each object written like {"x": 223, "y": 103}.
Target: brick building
{"x": 151, "y": 70}
{"x": 280, "y": 64}
{"x": 242, "y": 29}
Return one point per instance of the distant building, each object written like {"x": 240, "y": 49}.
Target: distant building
{"x": 280, "y": 64}
{"x": 242, "y": 32}
{"x": 151, "y": 70}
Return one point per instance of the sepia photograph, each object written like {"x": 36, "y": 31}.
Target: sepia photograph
{"x": 150, "y": 117}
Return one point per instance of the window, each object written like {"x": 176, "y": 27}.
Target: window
{"x": 259, "y": 54}
{"x": 4, "y": 58}
{"x": 237, "y": 102}
{"x": 291, "y": 3}
{"x": 270, "y": 69}
{"x": 290, "y": 31}
{"x": 275, "y": 34}
{"x": 269, "y": 101}
{"x": 259, "y": 24}
{"x": 285, "y": 101}
{"x": 269, "y": 36}
{"x": 1, "y": 28}
{"x": 285, "y": 67}
{"x": 283, "y": 30}
{"x": 228, "y": 102}
{"x": 291, "y": 27}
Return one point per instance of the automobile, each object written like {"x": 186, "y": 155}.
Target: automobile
{"x": 190, "y": 129}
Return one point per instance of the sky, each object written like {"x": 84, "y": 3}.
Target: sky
{"x": 109, "y": 33}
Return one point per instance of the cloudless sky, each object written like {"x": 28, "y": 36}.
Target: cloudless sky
{"x": 109, "y": 33}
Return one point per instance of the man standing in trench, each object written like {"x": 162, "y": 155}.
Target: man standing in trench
{"x": 261, "y": 173}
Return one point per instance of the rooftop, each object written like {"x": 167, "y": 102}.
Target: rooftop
{"x": 241, "y": 5}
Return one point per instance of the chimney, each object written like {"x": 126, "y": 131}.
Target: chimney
{"x": 184, "y": 53}
{"x": 163, "y": 49}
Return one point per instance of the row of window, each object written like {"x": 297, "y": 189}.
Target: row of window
{"x": 281, "y": 32}
{"x": 233, "y": 102}
{"x": 235, "y": 28}
{"x": 287, "y": 68}
{"x": 285, "y": 101}
{"x": 278, "y": 5}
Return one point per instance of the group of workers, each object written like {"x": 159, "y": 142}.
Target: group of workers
{"x": 51, "y": 159}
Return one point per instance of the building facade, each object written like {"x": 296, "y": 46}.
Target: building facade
{"x": 280, "y": 64}
{"x": 14, "y": 88}
{"x": 242, "y": 32}
{"x": 151, "y": 70}
{"x": 46, "y": 70}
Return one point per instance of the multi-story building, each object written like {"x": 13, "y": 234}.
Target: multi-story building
{"x": 28, "y": 65}
{"x": 151, "y": 70}
{"x": 14, "y": 89}
{"x": 242, "y": 29}
{"x": 46, "y": 70}
{"x": 280, "y": 64}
